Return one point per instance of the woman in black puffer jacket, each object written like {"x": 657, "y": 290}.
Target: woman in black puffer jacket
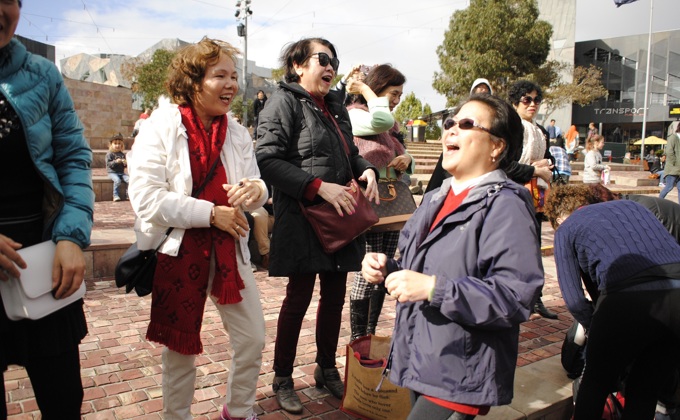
{"x": 301, "y": 154}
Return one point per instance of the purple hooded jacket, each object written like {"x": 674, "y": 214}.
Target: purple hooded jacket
{"x": 462, "y": 346}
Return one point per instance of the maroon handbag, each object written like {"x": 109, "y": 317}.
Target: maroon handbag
{"x": 335, "y": 232}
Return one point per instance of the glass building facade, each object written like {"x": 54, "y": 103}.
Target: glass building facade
{"x": 623, "y": 62}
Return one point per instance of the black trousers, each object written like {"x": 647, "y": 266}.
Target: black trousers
{"x": 636, "y": 330}
{"x": 57, "y": 386}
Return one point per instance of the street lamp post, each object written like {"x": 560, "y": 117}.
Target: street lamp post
{"x": 243, "y": 12}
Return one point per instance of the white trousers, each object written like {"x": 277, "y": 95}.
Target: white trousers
{"x": 244, "y": 323}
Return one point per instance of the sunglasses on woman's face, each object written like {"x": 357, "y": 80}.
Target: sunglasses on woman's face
{"x": 526, "y": 100}
{"x": 325, "y": 59}
{"x": 465, "y": 124}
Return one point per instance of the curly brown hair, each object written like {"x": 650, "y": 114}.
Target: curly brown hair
{"x": 562, "y": 200}
{"x": 187, "y": 70}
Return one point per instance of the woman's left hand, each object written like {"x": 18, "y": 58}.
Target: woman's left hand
{"x": 372, "y": 192}
{"x": 68, "y": 269}
{"x": 400, "y": 163}
{"x": 245, "y": 191}
{"x": 409, "y": 286}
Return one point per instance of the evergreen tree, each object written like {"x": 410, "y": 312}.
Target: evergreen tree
{"x": 148, "y": 78}
{"x": 500, "y": 40}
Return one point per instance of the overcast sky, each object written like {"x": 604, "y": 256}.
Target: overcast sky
{"x": 405, "y": 33}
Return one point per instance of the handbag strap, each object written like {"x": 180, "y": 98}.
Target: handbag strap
{"x": 194, "y": 194}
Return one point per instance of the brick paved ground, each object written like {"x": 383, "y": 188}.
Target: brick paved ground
{"x": 122, "y": 373}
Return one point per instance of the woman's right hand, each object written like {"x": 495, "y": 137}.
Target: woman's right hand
{"x": 355, "y": 86}
{"x": 10, "y": 258}
{"x": 373, "y": 267}
{"x": 339, "y": 196}
{"x": 231, "y": 220}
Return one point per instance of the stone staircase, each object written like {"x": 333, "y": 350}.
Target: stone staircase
{"x": 102, "y": 184}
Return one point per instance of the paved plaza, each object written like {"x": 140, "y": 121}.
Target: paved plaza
{"x": 121, "y": 371}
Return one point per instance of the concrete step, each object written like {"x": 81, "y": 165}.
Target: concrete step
{"x": 615, "y": 167}
{"x": 103, "y": 185}
{"x": 106, "y": 248}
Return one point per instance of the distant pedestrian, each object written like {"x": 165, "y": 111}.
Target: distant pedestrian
{"x": 571, "y": 142}
{"x": 143, "y": 116}
{"x": 592, "y": 131}
{"x": 672, "y": 168}
{"x": 258, "y": 104}
{"x": 553, "y": 131}
{"x": 116, "y": 165}
{"x": 626, "y": 158}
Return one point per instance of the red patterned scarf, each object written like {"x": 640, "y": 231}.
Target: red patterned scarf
{"x": 181, "y": 282}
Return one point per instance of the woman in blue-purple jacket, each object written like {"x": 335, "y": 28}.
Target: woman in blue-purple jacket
{"x": 469, "y": 272}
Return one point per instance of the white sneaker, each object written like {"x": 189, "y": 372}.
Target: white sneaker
{"x": 253, "y": 267}
{"x": 116, "y": 198}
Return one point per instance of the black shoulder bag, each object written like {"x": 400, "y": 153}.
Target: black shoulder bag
{"x": 135, "y": 269}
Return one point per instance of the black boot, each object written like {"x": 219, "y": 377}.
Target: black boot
{"x": 358, "y": 317}
{"x": 377, "y": 299}
{"x": 540, "y": 309}
{"x": 329, "y": 378}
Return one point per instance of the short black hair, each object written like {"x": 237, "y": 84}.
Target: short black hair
{"x": 506, "y": 125}
{"x": 19, "y": 3}
{"x": 521, "y": 88}
{"x": 298, "y": 53}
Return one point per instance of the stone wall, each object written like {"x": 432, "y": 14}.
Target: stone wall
{"x": 103, "y": 110}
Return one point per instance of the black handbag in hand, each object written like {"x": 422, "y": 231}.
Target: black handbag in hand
{"x": 135, "y": 269}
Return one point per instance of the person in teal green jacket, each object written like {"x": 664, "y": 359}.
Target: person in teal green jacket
{"x": 50, "y": 198}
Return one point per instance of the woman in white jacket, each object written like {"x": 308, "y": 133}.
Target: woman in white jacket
{"x": 207, "y": 250}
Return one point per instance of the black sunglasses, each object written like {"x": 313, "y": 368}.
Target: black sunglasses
{"x": 526, "y": 100}
{"x": 324, "y": 59}
{"x": 465, "y": 124}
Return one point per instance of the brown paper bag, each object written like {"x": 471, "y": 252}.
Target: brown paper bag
{"x": 362, "y": 378}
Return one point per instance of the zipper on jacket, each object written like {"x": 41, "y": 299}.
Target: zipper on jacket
{"x": 385, "y": 372}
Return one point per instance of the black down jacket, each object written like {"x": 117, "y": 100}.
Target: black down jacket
{"x": 296, "y": 143}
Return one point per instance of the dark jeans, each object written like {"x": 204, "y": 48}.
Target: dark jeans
{"x": 640, "y": 330}
{"x": 56, "y": 384}
{"x": 328, "y": 317}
